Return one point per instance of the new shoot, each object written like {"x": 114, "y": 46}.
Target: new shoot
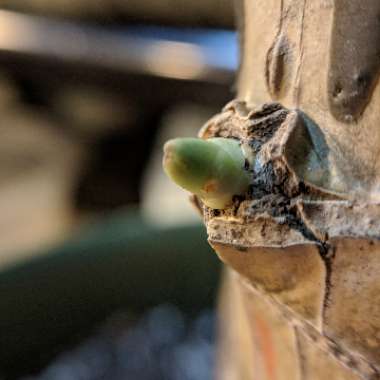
{"x": 212, "y": 169}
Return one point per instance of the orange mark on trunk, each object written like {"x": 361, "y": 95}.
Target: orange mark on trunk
{"x": 267, "y": 348}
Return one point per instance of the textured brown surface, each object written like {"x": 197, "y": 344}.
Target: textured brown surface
{"x": 294, "y": 50}
{"x": 294, "y": 276}
{"x": 353, "y": 315}
{"x": 354, "y": 57}
{"x": 304, "y": 238}
{"x": 299, "y": 244}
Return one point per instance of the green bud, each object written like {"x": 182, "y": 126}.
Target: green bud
{"x": 212, "y": 169}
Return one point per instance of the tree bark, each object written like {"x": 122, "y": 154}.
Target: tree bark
{"x": 301, "y": 298}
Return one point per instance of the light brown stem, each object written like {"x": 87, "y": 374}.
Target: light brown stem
{"x": 303, "y": 299}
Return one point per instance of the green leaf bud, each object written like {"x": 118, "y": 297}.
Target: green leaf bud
{"x": 212, "y": 169}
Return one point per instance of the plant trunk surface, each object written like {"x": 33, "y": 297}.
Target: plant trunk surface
{"x": 301, "y": 296}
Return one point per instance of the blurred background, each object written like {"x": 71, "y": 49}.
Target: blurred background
{"x": 105, "y": 270}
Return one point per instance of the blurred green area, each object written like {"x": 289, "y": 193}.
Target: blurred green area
{"x": 120, "y": 263}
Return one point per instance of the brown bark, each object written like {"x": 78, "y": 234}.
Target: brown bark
{"x": 303, "y": 243}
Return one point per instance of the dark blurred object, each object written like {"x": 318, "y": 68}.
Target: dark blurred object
{"x": 165, "y": 344}
{"x": 109, "y": 88}
{"x": 202, "y": 55}
{"x": 39, "y": 166}
{"x": 217, "y": 13}
{"x": 113, "y": 175}
{"x": 120, "y": 263}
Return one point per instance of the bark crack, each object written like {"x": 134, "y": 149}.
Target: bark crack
{"x": 300, "y": 62}
{"x": 301, "y": 355}
{"x": 349, "y": 359}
